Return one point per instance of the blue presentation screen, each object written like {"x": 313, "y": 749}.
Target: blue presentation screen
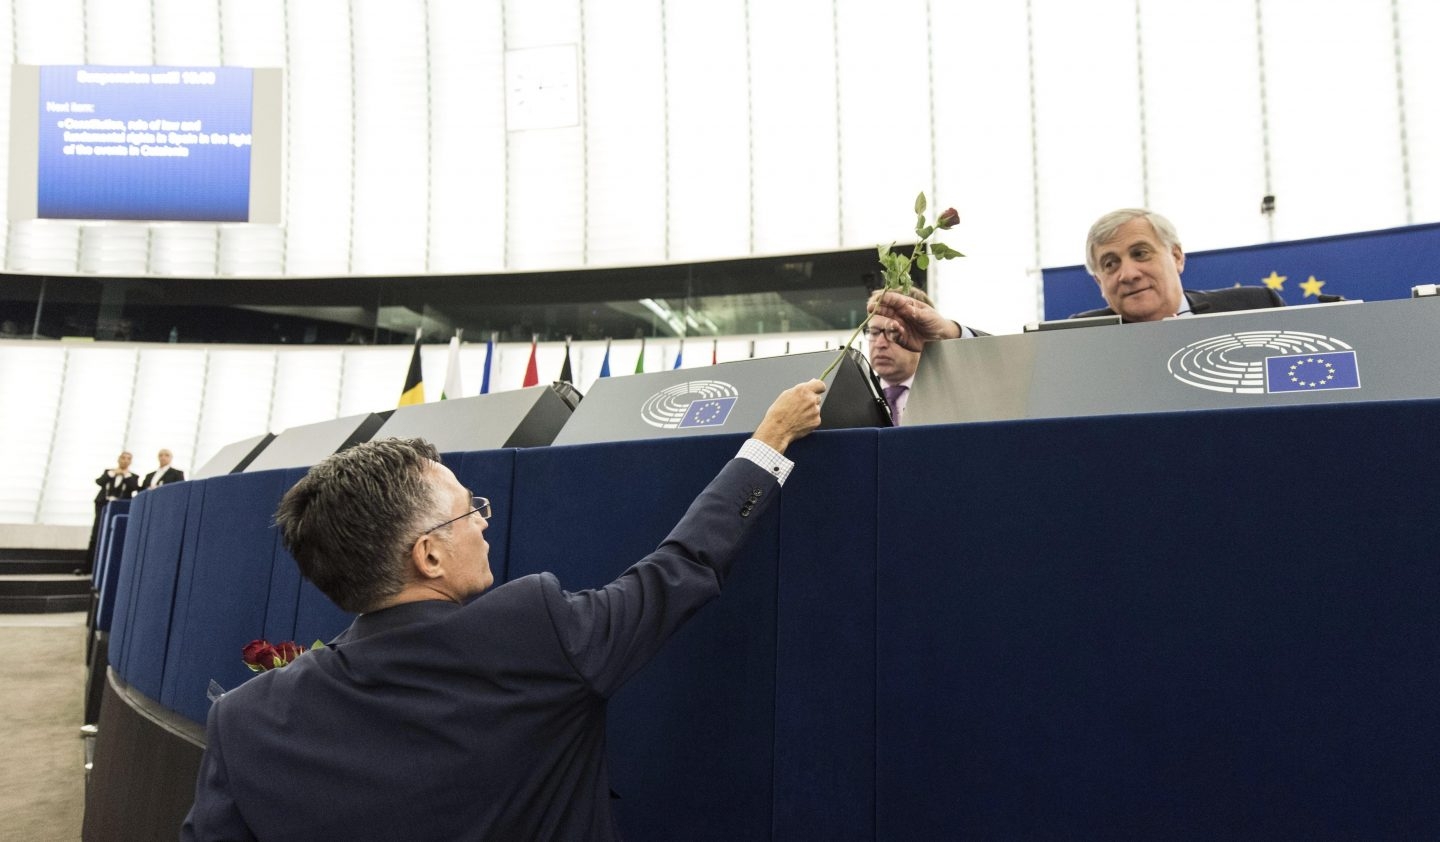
{"x": 145, "y": 143}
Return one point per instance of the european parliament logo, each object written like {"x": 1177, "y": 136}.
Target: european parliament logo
{"x": 1261, "y": 362}
{"x": 694, "y": 403}
{"x": 708, "y": 413}
{"x": 1312, "y": 372}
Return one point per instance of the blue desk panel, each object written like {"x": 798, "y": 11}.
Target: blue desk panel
{"x": 227, "y": 570}
{"x": 149, "y": 622}
{"x": 107, "y": 574}
{"x": 115, "y": 512}
{"x": 691, "y": 735}
{"x": 825, "y": 629}
{"x": 1210, "y": 624}
{"x": 126, "y": 581}
{"x": 1202, "y": 625}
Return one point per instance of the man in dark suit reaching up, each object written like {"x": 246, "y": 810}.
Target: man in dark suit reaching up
{"x": 445, "y": 711}
{"x": 164, "y": 474}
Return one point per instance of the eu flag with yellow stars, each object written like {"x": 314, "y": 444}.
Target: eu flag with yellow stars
{"x": 711, "y": 412}
{"x": 1312, "y": 372}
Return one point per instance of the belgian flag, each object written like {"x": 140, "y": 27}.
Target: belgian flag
{"x": 414, "y": 391}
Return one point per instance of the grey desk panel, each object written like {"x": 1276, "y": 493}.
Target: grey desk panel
{"x": 515, "y": 418}
{"x": 304, "y": 445}
{"x": 1204, "y": 362}
{"x": 725, "y": 398}
{"x": 234, "y": 457}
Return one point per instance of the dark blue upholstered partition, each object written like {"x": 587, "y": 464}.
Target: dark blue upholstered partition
{"x": 157, "y": 561}
{"x": 282, "y": 607}
{"x": 1202, "y": 625}
{"x": 691, "y": 735}
{"x": 116, "y": 511}
{"x": 825, "y": 653}
{"x": 108, "y": 571}
{"x": 226, "y": 577}
{"x": 126, "y": 580}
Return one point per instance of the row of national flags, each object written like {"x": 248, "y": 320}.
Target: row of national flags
{"x": 414, "y": 389}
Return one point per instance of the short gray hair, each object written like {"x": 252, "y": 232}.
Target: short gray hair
{"x": 351, "y": 520}
{"x": 1105, "y": 227}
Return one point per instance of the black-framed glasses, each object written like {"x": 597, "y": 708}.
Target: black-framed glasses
{"x": 890, "y": 333}
{"x": 482, "y": 507}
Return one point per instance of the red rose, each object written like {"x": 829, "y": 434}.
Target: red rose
{"x": 259, "y": 655}
{"x": 288, "y": 651}
{"x": 949, "y": 219}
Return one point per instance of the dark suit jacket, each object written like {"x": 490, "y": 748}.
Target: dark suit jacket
{"x": 123, "y": 490}
{"x": 1216, "y": 301}
{"x": 431, "y": 720}
{"x": 170, "y": 475}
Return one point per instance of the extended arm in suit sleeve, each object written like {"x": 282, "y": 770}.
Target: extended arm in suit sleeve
{"x": 214, "y": 817}
{"x": 611, "y": 632}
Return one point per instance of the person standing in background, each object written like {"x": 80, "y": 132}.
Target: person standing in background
{"x": 163, "y": 474}
{"x": 117, "y": 483}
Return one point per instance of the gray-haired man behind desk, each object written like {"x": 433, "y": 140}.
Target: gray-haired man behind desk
{"x": 1136, "y": 259}
{"x": 1135, "y": 256}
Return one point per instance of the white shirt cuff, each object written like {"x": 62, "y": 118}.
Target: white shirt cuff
{"x": 766, "y": 457}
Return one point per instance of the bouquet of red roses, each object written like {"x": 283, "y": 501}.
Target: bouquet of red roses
{"x": 261, "y": 655}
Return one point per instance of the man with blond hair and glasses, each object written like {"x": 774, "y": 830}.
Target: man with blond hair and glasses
{"x": 894, "y": 355}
